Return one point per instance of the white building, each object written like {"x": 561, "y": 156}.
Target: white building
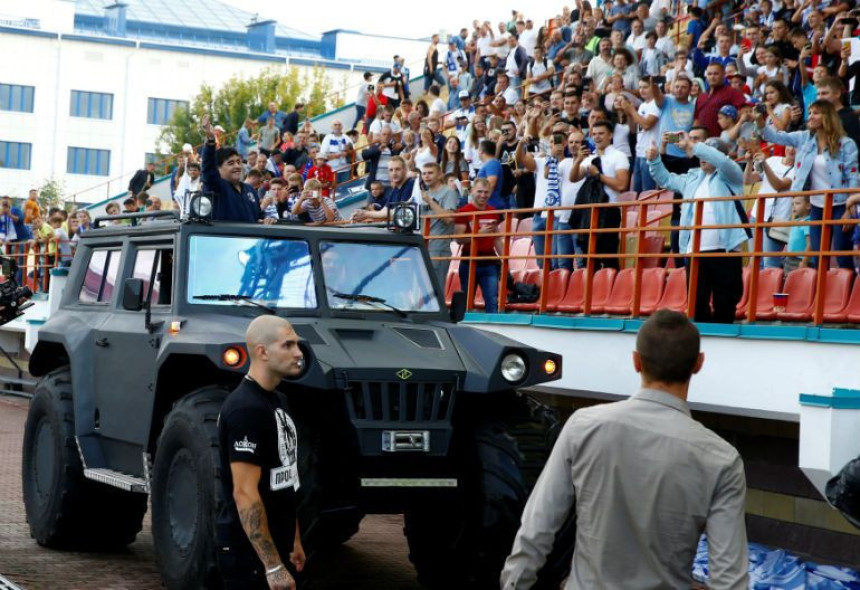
{"x": 88, "y": 84}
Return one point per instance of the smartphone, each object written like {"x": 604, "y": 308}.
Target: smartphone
{"x": 673, "y": 137}
{"x": 849, "y": 22}
{"x": 659, "y": 80}
{"x": 558, "y": 139}
{"x": 316, "y": 194}
{"x": 761, "y": 108}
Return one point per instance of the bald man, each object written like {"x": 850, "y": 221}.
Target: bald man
{"x": 257, "y": 532}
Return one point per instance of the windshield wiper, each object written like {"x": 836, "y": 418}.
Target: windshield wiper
{"x": 232, "y": 297}
{"x": 361, "y": 298}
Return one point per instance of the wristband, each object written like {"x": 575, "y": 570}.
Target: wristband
{"x": 275, "y": 569}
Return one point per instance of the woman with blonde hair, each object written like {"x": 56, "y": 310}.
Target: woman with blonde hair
{"x": 826, "y": 159}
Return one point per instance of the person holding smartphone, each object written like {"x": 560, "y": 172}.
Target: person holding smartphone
{"x": 312, "y": 202}
{"x": 486, "y": 271}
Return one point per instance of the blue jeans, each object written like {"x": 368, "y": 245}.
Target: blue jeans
{"x": 435, "y": 76}
{"x": 359, "y": 114}
{"x": 839, "y": 241}
{"x": 539, "y": 241}
{"x": 487, "y": 278}
{"x": 642, "y": 180}
{"x": 562, "y": 245}
{"x": 771, "y": 245}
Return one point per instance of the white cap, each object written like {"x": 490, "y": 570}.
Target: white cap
{"x": 186, "y": 148}
{"x": 219, "y": 128}
{"x": 463, "y": 94}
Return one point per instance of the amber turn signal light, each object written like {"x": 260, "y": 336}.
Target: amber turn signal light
{"x": 549, "y": 366}
{"x": 234, "y": 356}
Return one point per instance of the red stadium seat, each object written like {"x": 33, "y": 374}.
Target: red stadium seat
{"x": 574, "y": 296}
{"x": 621, "y": 296}
{"x": 769, "y": 282}
{"x": 455, "y": 251}
{"x": 558, "y": 281}
{"x": 852, "y": 310}
{"x": 601, "y": 288}
{"x": 800, "y": 287}
{"x": 741, "y": 307}
{"x": 653, "y": 245}
{"x": 653, "y": 283}
{"x": 530, "y": 277}
{"x": 531, "y": 263}
{"x": 519, "y": 247}
{"x": 627, "y": 196}
{"x": 837, "y": 294}
{"x": 674, "y": 295}
{"x": 525, "y": 226}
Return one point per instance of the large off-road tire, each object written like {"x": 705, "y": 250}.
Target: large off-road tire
{"x": 65, "y": 510}
{"x": 464, "y": 544}
{"x": 185, "y": 492}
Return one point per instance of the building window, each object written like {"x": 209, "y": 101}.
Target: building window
{"x": 15, "y": 155}
{"x": 88, "y": 161}
{"x": 159, "y": 111}
{"x": 16, "y": 98}
{"x": 91, "y": 105}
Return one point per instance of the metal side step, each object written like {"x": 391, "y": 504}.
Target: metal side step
{"x": 123, "y": 481}
{"x": 7, "y": 585}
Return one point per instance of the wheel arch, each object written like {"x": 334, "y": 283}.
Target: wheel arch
{"x": 47, "y": 357}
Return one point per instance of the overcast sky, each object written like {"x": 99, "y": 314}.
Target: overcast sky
{"x": 414, "y": 19}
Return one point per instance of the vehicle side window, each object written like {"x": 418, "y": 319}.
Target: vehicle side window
{"x": 101, "y": 277}
{"x": 154, "y": 266}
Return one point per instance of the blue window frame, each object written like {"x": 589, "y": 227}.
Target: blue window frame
{"x": 88, "y": 161}
{"x": 14, "y": 97}
{"x": 15, "y": 155}
{"x": 159, "y": 111}
{"x": 91, "y": 105}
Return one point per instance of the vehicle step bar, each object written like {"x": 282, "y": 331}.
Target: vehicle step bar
{"x": 5, "y": 584}
{"x": 123, "y": 481}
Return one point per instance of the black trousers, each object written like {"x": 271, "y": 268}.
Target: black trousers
{"x": 721, "y": 278}
{"x": 677, "y": 166}
{"x": 607, "y": 243}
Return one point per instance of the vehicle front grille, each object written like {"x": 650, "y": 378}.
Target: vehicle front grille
{"x": 384, "y": 401}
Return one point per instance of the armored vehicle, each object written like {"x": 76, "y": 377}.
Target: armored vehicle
{"x": 399, "y": 409}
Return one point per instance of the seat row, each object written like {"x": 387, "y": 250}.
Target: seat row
{"x": 612, "y": 292}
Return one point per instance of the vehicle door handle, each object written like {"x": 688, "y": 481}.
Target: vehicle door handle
{"x": 103, "y": 342}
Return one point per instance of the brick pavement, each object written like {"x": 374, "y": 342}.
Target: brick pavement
{"x": 375, "y": 558}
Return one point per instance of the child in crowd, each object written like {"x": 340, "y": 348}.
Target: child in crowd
{"x": 727, "y": 119}
{"x": 61, "y": 239}
{"x": 323, "y": 173}
{"x": 798, "y": 237}
{"x": 376, "y": 198}
{"x": 320, "y": 208}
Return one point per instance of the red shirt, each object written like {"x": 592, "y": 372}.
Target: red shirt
{"x": 324, "y": 174}
{"x": 371, "y": 106}
{"x": 709, "y": 103}
{"x": 486, "y": 246}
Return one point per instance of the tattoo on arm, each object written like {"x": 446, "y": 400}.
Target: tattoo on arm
{"x": 256, "y": 525}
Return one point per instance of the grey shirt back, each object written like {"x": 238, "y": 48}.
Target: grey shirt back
{"x": 646, "y": 480}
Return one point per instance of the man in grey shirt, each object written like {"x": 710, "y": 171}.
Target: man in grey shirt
{"x": 645, "y": 481}
{"x": 439, "y": 200}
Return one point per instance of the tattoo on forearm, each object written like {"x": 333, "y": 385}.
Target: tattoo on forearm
{"x": 256, "y": 525}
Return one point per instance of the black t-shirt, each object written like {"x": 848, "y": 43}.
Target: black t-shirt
{"x": 254, "y": 427}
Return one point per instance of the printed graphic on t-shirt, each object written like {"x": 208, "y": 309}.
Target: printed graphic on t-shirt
{"x": 288, "y": 474}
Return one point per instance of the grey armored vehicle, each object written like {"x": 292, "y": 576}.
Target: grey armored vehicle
{"x": 399, "y": 409}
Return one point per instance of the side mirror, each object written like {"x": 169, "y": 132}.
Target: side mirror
{"x": 458, "y": 306}
{"x": 132, "y": 295}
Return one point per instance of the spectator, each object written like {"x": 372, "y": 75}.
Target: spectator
{"x": 337, "y": 148}
{"x": 491, "y": 169}
{"x": 291, "y": 120}
{"x": 31, "y": 206}
{"x": 297, "y": 155}
{"x": 323, "y": 174}
{"x": 273, "y": 113}
{"x": 376, "y": 198}
{"x": 830, "y": 89}
{"x": 392, "y": 85}
{"x": 431, "y": 64}
{"x": 189, "y": 183}
{"x": 387, "y": 120}
{"x": 130, "y": 205}
{"x": 365, "y": 89}
{"x": 438, "y": 200}
{"x": 321, "y": 209}
{"x": 400, "y": 190}
{"x": 775, "y": 175}
{"x": 540, "y": 73}
{"x": 613, "y": 172}
{"x": 378, "y": 154}
{"x": 827, "y": 159}
{"x": 601, "y": 65}
{"x": 270, "y": 137}
{"x": 646, "y": 117}
{"x": 708, "y": 104}
{"x": 437, "y": 106}
{"x": 142, "y": 180}
{"x": 453, "y": 161}
{"x": 516, "y": 64}
{"x": 486, "y": 271}
{"x": 245, "y": 138}
{"x": 717, "y": 176}
{"x": 233, "y": 200}
{"x": 427, "y": 152}
{"x": 798, "y": 237}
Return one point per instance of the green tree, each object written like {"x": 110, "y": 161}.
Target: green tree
{"x": 51, "y": 194}
{"x": 241, "y": 98}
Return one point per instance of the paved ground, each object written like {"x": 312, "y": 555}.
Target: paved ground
{"x": 375, "y": 558}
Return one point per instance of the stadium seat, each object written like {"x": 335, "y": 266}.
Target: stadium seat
{"x": 852, "y": 310}
{"x": 601, "y": 287}
{"x": 557, "y": 289}
{"x": 653, "y": 283}
{"x": 674, "y": 295}
{"x": 530, "y": 277}
{"x": 621, "y": 299}
{"x": 837, "y": 295}
{"x": 627, "y": 196}
{"x": 800, "y": 287}
{"x": 653, "y": 245}
{"x": 574, "y": 295}
{"x": 741, "y": 307}
{"x": 531, "y": 263}
{"x": 769, "y": 282}
{"x": 519, "y": 247}
{"x": 452, "y": 285}
{"x": 525, "y": 226}
{"x": 455, "y": 251}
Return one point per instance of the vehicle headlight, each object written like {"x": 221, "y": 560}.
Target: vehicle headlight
{"x": 404, "y": 217}
{"x": 513, "y": 368}
{"x": 201, "y": 207}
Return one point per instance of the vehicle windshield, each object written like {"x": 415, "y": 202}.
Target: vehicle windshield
{"x": 392, "y": 273}
{"x": 274, "y": 272}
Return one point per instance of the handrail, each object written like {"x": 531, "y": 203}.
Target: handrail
{"x": 639, "y": 230}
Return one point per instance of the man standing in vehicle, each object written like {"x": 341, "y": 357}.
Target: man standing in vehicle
{"x": 258, "y": 540}
{"x": 644, "y": 481}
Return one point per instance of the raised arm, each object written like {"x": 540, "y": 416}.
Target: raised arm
{"x": 724, "y": 164}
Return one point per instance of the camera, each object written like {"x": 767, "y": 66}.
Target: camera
{"x": 13, "y": 297}
{"x": 371, "y": 88}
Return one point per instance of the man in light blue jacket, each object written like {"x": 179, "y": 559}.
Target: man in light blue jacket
{"x": 717, "y": 176}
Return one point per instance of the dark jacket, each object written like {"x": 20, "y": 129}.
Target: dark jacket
{"x": 291, "y": 122}
{"x": 228, "y": 204}
{"x": 139, "y": 181}
{"x": 371, "y": 155}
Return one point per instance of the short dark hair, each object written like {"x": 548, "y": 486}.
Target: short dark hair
{"x": 130, "y": 201}
{"x": 605, "y": 124}
{"x": 368, "y": 75}
{"x": 668, "y": 346}
{"x": 225, "y": 153}
{"x": 194, "y": 165}
{"x": 701, "y": 128}
{"x": 253, "y": 172}
{"x": 488, "y": 147}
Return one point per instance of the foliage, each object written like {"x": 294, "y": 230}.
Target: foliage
{"x": 241, "y": 98}
{"x": 51, "y": 193}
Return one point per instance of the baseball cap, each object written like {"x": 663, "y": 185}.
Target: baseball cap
{"x": 463, "y": 94}
{"x": 187, "y": 148}
{"x": 219, "y": 128}
{"x": 729, "y": 111}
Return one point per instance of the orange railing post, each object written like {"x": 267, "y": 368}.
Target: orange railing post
{"x": 589, "y": 260}
{"x": 473, "y": 252}
{"x": 640, "y": 251}
{"x": 823, "y": 266}
{"x": 547, "y": 259}
{"x": 506, "y": 263}
{"x": 694, "y": 260}
{"x": 755, "y": 269}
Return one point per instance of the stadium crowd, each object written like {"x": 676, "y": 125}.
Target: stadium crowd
{"x": 598, "y": 101}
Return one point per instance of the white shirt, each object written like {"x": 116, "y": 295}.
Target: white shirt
{"x": 765, "y": 188}
{"x": 621, "y": 138}
{"x": 647, "y": 137}
{"x": 710, "y": 237}
{"x": 636, "y": 42}
{"x": 666, "y": 46}
{"x": 484, "y": 46}
{"x": 333, "y": 144}
{"x": 511, "y": 65}
{"x": 819, "y": 179}
{"x": 181, "y": 194}
{"x": 438, "y": 107}
{"x": 569, "y": 189}
{"x": 611, "y": 162}
{"x": 378, "y": 124}
{"x": 528, "y": 40}
{"x": 510, "y": 95}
